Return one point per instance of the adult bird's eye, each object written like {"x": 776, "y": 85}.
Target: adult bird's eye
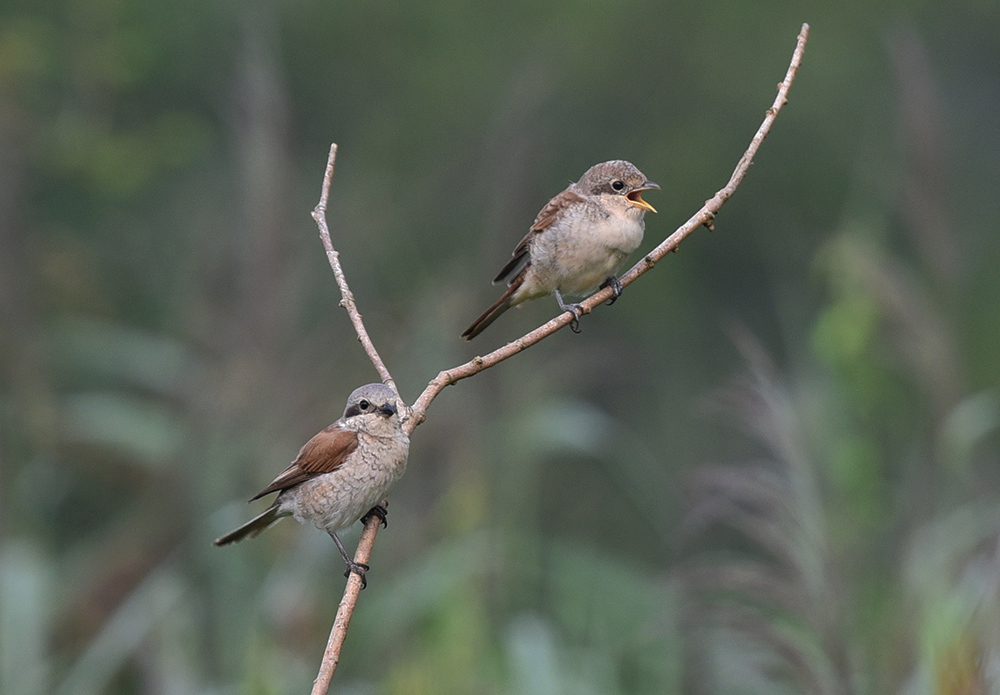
{"x": 618, "y": 185}
{"x": 364, "y": 405}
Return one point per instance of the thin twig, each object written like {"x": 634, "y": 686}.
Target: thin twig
{"x": 704, "y": 217}
{"x": 347, "y": 297}
{"x": 331, "y": 656}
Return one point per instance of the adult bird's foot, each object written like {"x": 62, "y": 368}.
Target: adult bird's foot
{"x": 379, "y": 511}
{"x": 616, "y": 288}
{"x": 359, "y": 568}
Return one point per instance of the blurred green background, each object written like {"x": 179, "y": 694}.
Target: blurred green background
{"x": 771, "y": 467}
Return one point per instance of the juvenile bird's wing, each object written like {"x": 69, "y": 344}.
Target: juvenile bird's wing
{"x": 545, "y": 219}
{"x": 324, "y": 453}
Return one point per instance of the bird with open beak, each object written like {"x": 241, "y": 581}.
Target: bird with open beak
{"x": 578, "y": 242}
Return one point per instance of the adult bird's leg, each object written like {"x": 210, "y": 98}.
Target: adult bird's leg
{"x": 359, "y": 568}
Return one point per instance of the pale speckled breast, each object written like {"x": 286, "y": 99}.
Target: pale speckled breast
{"x": 333, "y": 501}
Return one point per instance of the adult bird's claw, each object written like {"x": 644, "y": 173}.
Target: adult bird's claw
{"x": 359, "y": 568}
{"x": 379, "y": 511}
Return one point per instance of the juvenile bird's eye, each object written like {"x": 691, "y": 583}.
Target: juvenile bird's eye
{"x": 618, "y": 185}
{"x": 364, "y": 405}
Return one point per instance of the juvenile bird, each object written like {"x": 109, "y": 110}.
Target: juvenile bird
{"x": 577, "y": 243}
{"x": 341, "y": 473}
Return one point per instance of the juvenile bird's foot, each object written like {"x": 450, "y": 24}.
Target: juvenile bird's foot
{"x": 379, "y": 511}
{"x": 574, "y": 309}
{"x": 616, "y": 288}
{"x": 359, "y": 568}
{"x": 574, "y": 325}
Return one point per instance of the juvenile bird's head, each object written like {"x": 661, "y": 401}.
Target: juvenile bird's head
{"x": 618, "y": 183}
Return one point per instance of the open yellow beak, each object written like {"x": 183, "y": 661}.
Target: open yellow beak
{"x": 635, "y": 197}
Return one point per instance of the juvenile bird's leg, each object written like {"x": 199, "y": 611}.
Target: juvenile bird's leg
{"x": 359, "y": 568}
{"x": 379, "y": 511}
{"x": 616, "y": 288}
{"x": 574, "y": 309}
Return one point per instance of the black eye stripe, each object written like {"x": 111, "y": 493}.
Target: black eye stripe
{"x": 352, "y": 411}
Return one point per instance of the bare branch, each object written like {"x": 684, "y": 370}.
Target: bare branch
{"x": 347, "y": 297}
{"x": 331, "y": 656}
{"x": 704, "y": 217}
{"x": 417, "y": 414}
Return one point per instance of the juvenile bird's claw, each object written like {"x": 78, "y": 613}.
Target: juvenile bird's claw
{"x": 574, "y": 309}
{"x": 616, "y": 288}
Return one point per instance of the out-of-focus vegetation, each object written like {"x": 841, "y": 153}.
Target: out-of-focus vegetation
{"x": 586, "y": 518}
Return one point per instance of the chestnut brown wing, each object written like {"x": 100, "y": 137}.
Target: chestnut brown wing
{"x": 323, "y": 453}
{"x": 545, "y": 218}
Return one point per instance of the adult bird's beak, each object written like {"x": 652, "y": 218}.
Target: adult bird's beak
{"x": 635, "y": 197}
{"x": 388, "y": 410}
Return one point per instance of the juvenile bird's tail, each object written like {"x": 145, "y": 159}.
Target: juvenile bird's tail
{"x": 491, "y": 314}
{"x": 252, "y": 527}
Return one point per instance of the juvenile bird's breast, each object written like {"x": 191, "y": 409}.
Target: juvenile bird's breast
{"x": 596, "y": 251}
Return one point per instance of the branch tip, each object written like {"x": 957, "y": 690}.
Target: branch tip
{"x": 347, "y": 299}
